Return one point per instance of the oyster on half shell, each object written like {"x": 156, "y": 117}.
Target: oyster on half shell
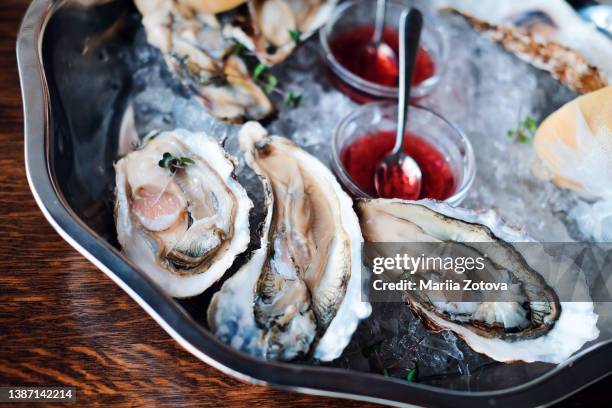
{"x": 549, "y": 34}
{"x": 300, "y": 293}
{"x": 276, "y": 26}
{"x": 200, "y": 56}
{"x": 182, "y": 228}
{"x": 536, "y": 328}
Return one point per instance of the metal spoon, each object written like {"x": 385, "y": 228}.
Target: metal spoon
{"x": 379, "y": 55}
{"x": 398, "y": 175}
{"x": 382, "y": 48}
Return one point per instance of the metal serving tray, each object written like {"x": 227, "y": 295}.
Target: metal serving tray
{"x": 69, "y": 151}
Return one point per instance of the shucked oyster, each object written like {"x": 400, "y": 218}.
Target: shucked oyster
{"x": 199, "y": 48}
{"x": 276, "y": 26}
{"x": 185, "y": 227}
{"x": 198, "y": 54}
{"x": 537, "y": 328}
{"x": 300, "y": 293}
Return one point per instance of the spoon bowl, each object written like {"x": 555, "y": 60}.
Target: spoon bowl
{"x": 382, "y": 62}
{"x": 401, "y": 178}
{"x": 398, "y": 175}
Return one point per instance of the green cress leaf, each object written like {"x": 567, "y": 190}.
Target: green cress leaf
{"x": 525, "y": 132}
{"x": 531, "y": 124}
{"x": 292, "y": 99}
{"x": 271, "y": 83}
{"x": 165, "y": 160}
{"x": 186, "y": 161}
{"x": 296, "y": 35}
{"x": 259, "y": 69}
{"x": 413, "y": 374}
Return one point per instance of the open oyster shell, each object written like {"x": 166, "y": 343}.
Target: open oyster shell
{"x": 300, "y": 293}
{"x": 200, "y": 56}
{"x": 549, "y": 34}
{"x": 275, "y": 27}
{"x": 199, "y": 47}
{"x": 183, "y": 228}
{"x": 539, "y": 328}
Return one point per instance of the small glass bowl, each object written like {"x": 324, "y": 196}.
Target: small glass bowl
{"x": 423, "y": 122}
{"x": 359, "y": 12}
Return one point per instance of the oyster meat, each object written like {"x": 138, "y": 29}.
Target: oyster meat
{"x": 182, "y": 226}
{"x": 199, "y": 40}
{"x": 276, "y": 26}
{"x": 534, "y": 326}
{"x": 300, "y": 293}
{"x": 201, "y": 57}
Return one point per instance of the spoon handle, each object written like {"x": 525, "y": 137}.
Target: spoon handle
{"x": 379, "y": 25}
{"x": 411, "y": 24}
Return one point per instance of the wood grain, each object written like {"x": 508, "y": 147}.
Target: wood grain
{"x": 63, "y": 322}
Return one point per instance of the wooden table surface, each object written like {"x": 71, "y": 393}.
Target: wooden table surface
{"x": 64, "y": 323}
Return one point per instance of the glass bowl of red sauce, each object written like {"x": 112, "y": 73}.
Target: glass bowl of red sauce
{"x": 442, "y": 151}
{"x": 348, "y": 32}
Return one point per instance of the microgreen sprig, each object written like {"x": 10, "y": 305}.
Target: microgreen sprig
{"x": 413, "y": 374}
{"x": 269, "y": 83}
{"x": 259, "y": 70}
{"x": 296, "y": 36}
{"x": 525, "y": 131}
{"x": 263, "y": 77}
{"x": 168, "y": 161}
{"x": 293, "y": 99}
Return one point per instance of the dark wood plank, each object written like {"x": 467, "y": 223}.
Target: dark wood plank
{"x": 62, "y": 322}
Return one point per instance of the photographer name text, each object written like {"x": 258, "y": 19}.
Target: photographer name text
{"x": 448, "y": 285}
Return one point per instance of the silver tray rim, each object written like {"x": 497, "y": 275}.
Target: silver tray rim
{"x": 580, "y": 371}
